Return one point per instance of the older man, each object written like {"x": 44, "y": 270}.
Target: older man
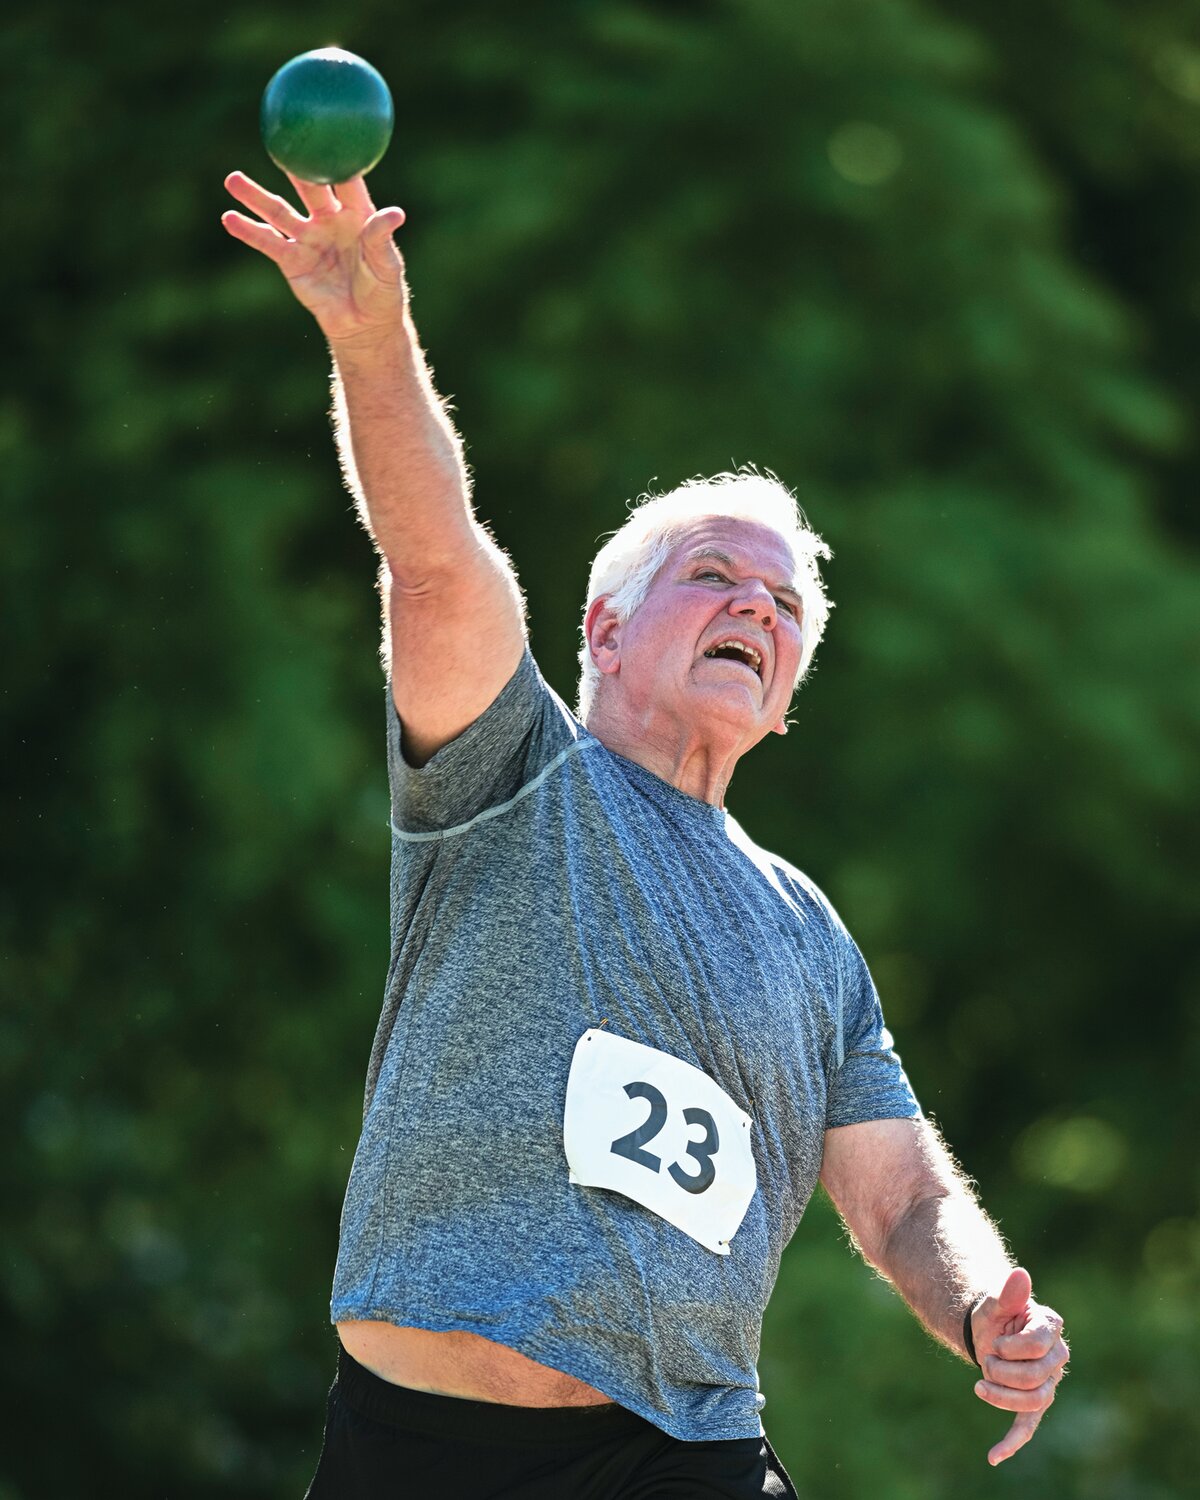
{"x": 619, "y": 1043}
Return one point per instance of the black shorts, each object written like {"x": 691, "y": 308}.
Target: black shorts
{"x": 382, "y": 1440}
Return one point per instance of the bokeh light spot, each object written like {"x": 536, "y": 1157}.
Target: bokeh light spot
{"x": 865, "y": 154}
{"x": 1079, "y": 1152}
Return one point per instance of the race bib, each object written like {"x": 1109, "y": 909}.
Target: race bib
{"x": 643, "y": 1123}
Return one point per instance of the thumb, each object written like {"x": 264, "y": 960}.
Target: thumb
{"x": 1014, "y": 1294}
{"x": 377, "y": 234}
{"x": 1003, "y": 1313}
{"x": 383, "y": 223}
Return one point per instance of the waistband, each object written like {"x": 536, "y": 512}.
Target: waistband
{"x": 479, "y": 1421}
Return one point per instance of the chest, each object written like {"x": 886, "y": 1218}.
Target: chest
{"x": 680, "y": 940}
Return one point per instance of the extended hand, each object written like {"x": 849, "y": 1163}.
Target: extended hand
{"x": 340, "y": 262}
{"x": 1021, "y": 1349}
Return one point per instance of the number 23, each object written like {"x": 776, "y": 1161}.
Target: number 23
{"x": 631, "y": 1145}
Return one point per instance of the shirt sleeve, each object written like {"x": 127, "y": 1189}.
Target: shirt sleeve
{"x": 515, "y": 739}
{"x": 869, "y": 1082}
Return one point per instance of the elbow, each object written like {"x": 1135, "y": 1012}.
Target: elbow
{"x": 456, "y": 557}
{"x": 415, "y": 583}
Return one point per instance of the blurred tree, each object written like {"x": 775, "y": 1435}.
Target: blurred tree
{"x": 861, "y": 243}
{"x": 1112, "y": 99}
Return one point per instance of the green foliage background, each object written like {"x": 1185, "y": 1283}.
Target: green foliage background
{"x": 932, "y": 263}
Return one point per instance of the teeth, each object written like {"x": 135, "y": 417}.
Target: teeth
{"x": 753, "y": 657}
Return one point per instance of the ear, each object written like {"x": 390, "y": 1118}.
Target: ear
{"x": 780, "y": 728}
{"x": 603, "y": 630}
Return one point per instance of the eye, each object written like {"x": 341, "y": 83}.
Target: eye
{"x": 711, "y": 573}
{"x": 787, "y": 606}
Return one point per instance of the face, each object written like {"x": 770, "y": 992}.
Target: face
{"x": 716, "y": 641}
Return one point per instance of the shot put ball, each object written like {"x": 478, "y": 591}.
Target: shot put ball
{"x": 326, "y": 116}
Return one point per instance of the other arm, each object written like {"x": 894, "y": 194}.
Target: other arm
{"x": 453, "y": 618}
{"x": 915, "y": 1219}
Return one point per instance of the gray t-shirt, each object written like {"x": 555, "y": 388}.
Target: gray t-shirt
{"x": 542, "y": 885}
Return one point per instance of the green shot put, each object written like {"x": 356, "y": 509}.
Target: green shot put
{"x": 326, "y": 116}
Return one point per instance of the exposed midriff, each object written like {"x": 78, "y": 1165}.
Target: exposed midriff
{"x": 461, "y": 1364}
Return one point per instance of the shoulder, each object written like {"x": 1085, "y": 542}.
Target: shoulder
{"x": 796, "y": 888}
{"x": 524, "y": 731}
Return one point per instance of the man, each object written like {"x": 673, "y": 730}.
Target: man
{"x": 619, "y": 1042}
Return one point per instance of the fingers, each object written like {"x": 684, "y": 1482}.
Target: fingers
{"x": 318, "y": 199}
{"x": 353, "y": 194}
{"x": 341, "y": 262}
{"x": 1026, "y": 1387}
{"x": 1015, "y": 1438}
{"x": 1012, "y": 1398}
{"x": 258, "y": 236}
{"x": 274, "y": 210}
{"x": 379, "y": 224}
{"x": 1022, "y": 1365}
{"x": 1037, "y": 1338}
{"x": 1026, "y": 1374}
{"x": 278, "y": 212}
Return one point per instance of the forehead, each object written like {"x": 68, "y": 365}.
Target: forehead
{"x": 750, "y": 546}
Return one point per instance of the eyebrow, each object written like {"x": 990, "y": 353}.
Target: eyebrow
{"x": 713, "y": 554}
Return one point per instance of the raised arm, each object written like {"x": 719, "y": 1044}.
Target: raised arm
{"x": 915, "y": 1219}
{"x": 453, "y": 618}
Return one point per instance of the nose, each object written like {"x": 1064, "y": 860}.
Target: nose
{"x": 754, "y": 601}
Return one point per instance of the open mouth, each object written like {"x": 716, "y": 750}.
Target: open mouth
{"x": 736, "y": 651}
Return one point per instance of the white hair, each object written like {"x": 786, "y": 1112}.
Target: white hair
{"x": 630, "y": 559}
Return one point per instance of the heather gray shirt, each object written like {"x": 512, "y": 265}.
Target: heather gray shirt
{"x": 542, "y": 885}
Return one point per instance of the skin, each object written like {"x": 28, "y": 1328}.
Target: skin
{"x": 442, "y": 578}
{"x": 661, "y": 703}
{"x": 915, "y": 1219}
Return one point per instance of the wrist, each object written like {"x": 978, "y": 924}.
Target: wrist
{"x": 968, "y": 1331}
{"x": 372, "y": 345}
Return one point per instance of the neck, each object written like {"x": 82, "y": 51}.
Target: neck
{"x": 700, "y": 765}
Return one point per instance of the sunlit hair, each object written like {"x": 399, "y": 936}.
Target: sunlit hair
{"x": 629, "y": 561}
